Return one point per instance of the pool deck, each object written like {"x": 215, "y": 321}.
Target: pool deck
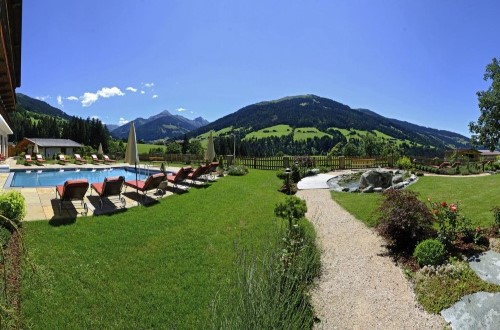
{"x": 41, "y": 203}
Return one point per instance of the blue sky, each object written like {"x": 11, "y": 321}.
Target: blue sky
{"x": 419, "y": 61}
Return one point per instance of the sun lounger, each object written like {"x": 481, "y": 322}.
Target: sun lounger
{"x": 62, "y": 160}
{"x": 107, "y": 160}
{"x": 39, "y": 159}
{"x": 198, "y": 173}
{"x": 152, "y": 182}
{"x": 180, "y": 176}
{"x": 73, "y": 190}
{"x": 96, "y": 160}
{"x": 111, "y": 186}
{"x": 79, "y": 160}
{"x": 27, "y": 160}
{"x": 211, "y": 168}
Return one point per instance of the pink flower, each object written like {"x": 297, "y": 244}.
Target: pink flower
{"x": 453, "y": 208}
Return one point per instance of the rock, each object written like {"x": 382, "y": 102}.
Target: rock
{"x": 354, "y": 190}
{"x": 406, "y": 183}
{"x": 368, "y": 189}
{"x": 378, "y": 189}
{"x": 413, "y": 177}
{"x": 400, "y": 185}
{"x": 479, "y": 310}
{"x": 486, "y": 266}
{"x": 397, "y": 179}
{"x": 375, "y": 178}
{"x": 345, "y": 189}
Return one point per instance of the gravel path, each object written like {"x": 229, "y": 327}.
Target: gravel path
{"x": 358, "y": 288}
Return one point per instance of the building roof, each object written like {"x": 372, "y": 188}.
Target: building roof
{"x": 47, "y": 143}
{"x": 489, "y": 153}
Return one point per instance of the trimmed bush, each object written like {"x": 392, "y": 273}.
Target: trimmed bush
{"x": 404, "y": 221}
{"x": 430, "y": 252}
{"x": 13, "y": 207}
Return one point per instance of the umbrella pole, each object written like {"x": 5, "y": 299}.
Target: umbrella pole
{"x": 136, "y": 187}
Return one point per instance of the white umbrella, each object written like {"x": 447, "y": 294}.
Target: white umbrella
{"x": 210, "y": 148}
{"x": 99, "y": 151}
{"x": 131, "y": 154}
{"x": 35, "y": 149}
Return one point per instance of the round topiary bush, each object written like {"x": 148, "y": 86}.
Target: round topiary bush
{"x": 430, "y": 252}
{"x": 12, "y": 207}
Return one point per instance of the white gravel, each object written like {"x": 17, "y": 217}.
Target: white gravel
{"x": 358, "y": 288}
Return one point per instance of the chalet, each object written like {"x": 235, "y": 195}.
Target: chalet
{"x": 48, "y": 147}
{"x": 472, "y": 155}
{"x": 10, "y": 64}
{"x": 489, "y": 155}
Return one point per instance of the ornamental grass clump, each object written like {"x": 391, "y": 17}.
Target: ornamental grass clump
{"x": 404, "y": 221}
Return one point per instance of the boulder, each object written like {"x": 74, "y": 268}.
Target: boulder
{"x": 368, "y": 189}
{"x": 413, "y": 177}
{"x": 400, "y": 185}
{"x": 397, "y": 179}
{"x": 378, "y": 189}
{"x": 375, "y": 178}
{"x": 354, "y": 190}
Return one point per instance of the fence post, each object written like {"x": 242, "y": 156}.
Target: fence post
{"x": 342, "y": 163}
{"x": 254, "y": 162}
{"x": 286, "y": 162}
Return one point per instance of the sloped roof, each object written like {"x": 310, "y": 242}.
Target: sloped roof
{"x": 47, "y": 143}
{"x": 489, "y": 153}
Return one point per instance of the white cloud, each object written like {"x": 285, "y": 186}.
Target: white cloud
{"x": 155, "y": 96}
{"x": 181, "y": 109}
{"x": 131, "y": 89}
{"x": 90, "y": 98}
{"x": 148, "y": 85}
{"x": 122, "y": 121}
{"x": 42, "y": 98}
{"x": 143, "y": 92}
{"x": 72, "y": 98}
{"x": 109, "y": 92}
{"x": 59, "y": 100}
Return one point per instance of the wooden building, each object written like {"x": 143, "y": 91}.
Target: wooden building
{"x": 10, "y": 64}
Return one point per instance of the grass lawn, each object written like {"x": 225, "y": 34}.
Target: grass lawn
{"x": 144, "y": 148}
{"x": 148, "y": 267}
{"x": 476, "y": 196}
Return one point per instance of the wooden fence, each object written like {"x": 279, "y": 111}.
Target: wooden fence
{"x": 331, "y": 163}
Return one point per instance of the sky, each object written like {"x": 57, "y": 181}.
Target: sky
{"x": 419, "y": 61}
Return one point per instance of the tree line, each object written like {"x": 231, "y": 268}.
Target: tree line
{"x": 90, "y": 132}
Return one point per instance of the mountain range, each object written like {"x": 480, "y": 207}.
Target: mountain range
{"x": 306, "y": 111}
{"x": 160, "y": 126}
{"x": 300, "y": 113}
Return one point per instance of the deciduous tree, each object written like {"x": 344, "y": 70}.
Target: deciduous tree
{"x": 486, "y": 130}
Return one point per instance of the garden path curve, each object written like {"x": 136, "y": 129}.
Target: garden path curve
{"x": 358, "y": 288}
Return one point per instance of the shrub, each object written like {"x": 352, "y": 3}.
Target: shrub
{"x": 404, "y": 221}
{"x": 237, "y": 170}
{"x": 430, "y": 252}
{"x": 12, "y": 207}
{"x": 404, "y": 163}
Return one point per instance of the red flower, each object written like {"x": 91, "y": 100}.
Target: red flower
{"x": 443, "y": 204}
{"x": 453, "y": 208}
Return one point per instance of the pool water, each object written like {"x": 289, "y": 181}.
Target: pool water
{"x": 51, "y": 178}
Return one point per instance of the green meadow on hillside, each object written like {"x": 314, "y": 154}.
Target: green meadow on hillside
{"x": 278, "y": 130}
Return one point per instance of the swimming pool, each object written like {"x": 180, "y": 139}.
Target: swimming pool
{"x": 54, "y": 177}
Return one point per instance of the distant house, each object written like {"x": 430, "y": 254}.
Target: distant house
{"x": 489, "y": 155}
{"x": 472, "y": 154}
{"x": 48, "y": 147}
